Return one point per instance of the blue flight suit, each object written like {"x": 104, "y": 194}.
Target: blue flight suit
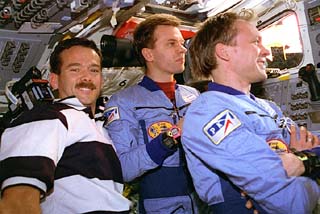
{"x": 225, "y": 137}
{"x": 136, "y": 117}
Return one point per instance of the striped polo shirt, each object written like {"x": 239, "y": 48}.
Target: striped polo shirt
{"x": 58, "y": 149}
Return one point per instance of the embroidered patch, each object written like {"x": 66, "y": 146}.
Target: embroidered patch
{"x": 278, "y": 146}
{"x": 221, "y": 126}
{"x": 112, "y": 114}
{"x": 158, "y": 127}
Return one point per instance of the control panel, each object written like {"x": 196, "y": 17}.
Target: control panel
{"x": 19, "y": 52}
{"x": 312, "y": 11}
{"x": 294, "y": 98}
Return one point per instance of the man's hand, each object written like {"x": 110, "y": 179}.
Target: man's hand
{"x": 307, "y": 139}
{"x": 292, "y": 164}
{"x": 249, "y": 204}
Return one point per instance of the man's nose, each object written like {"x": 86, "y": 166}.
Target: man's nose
{"x": 183, "y": 48}
{"x": 85, "y": 75}
{"x": 264, "y": 51}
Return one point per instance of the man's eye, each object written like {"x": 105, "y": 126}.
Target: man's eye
{"x": 256, "y": 42}
{"x": 95, "y": 70}
{"x": 171, "y": 44}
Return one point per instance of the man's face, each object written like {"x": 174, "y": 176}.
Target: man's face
{"x": 168, "y": 53}
{"x": 80, "y": 75}
{"x": 249, "y": 55}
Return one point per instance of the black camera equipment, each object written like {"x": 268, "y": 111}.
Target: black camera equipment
{"x": 311, "y": 162}
{"x": 118, "y": 52}
{"x": 25, "y": 94}
{"x": 171, "y": 137}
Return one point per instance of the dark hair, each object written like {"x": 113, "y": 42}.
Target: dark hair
{"x": 216, "y": 29}
{"x": 55, "y": 59}
{"x": 143, "y": 36}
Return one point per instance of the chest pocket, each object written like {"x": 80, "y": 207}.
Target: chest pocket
{"x": 154, "y": 120}
{"x": 264, "y": 125}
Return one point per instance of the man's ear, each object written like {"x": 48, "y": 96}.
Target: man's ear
{"x": 53, "y": 80}
{"x": 147, "y": 54}
{"x": 222, "y": 51}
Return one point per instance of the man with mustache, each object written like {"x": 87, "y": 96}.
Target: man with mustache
{"x": 142, "y": 120}
{"x": 55, "y": 158}
{"x": 236, "y": 144}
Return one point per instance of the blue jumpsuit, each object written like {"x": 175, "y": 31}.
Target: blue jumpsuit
{"x": 224, "y": 138}
{"x": 136, "y": 117}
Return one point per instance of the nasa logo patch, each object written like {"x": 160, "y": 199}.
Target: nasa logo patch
{"x": 112, "y": 114}
{"x": 221, "y": 126}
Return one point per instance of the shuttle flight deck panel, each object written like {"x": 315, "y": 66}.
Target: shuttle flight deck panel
{"x": 312, "y": 11}
{"x": 293, "y": 97}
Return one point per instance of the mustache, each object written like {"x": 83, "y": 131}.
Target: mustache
{"x": 89, "y": 85}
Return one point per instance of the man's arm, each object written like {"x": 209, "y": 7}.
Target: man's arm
{"x": 244, "y": 158}
{"x": 124, "y": 130}
{"x": 20, "y": 199}
{"x": 305, "y": 145}
{"x": 292, "y": 164}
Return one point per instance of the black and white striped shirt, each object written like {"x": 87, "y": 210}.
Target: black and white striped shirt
{"x": 59, "y": 149}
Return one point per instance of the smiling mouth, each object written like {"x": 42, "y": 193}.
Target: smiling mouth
{"x": 85, "y": 89}
{"x": 263, "y": 63}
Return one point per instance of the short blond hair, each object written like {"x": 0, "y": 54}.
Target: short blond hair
{"x": 216, "y": 29}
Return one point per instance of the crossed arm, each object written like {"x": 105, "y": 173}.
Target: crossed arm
{"x": 307, "y": 140}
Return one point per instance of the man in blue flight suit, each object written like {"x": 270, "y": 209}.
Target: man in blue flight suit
{"x": 143, "y": 120}
{"x": 227, "y": 132}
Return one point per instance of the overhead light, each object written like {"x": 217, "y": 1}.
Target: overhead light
{"x": 220, "y": 6}
{"x": 76, "y": 28}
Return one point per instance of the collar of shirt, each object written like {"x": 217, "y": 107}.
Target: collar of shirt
{"x": 149, "y": 84}
{"x": 75, "y": 103}
{"x": 212, "y": 86}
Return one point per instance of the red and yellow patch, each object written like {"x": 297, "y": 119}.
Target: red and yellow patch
{"x": 156, "y": 128}
{"x": 278, "y": 145}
